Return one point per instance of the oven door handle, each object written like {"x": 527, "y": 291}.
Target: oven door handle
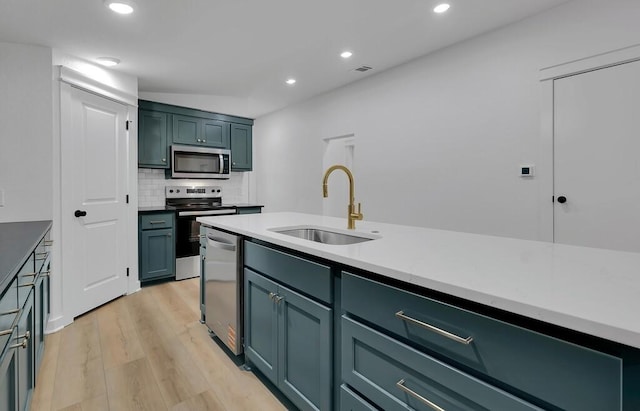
{"x": 220, "y": 243}
{"x": 206, "y": 212}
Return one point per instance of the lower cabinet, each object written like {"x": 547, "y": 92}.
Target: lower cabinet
{"x": 26, "y": 354}
{"x": 289, "y": 338}
{"x": 9, "y": 376}
{"x": 157, "y": 252}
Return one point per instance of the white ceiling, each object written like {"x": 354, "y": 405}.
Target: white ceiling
{"x": 248, "y": 48}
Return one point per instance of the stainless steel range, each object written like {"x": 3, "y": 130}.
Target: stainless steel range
{"x": 191, "y": 202}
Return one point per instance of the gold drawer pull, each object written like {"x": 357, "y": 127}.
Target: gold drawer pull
{"x": 466, "y": 341}
{"x": 23, "y": 344}
{"x": 27, "y": 285}
{"x": 48, "y": 243}
{"x": 15, "y": 321}
{"x": 29, "y": 275}
{"x": 400, "y": 384}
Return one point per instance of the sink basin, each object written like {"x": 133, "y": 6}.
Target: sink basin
{"x": 325, "y": 236}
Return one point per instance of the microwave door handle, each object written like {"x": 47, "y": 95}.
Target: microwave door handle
{"x": 221, "y": 157}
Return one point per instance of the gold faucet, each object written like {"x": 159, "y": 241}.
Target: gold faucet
{"x": 352, "y": 215}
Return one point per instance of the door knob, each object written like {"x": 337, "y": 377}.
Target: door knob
{"x": 80, "y": 213}
{"x": 562, "y": 199}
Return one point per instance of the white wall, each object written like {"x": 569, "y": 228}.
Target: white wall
{"x": 25, "y": 133}
{"x": 440, "y": 139}
{"x": 235, "y": 106}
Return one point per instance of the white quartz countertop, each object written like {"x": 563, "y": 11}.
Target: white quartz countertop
{"x": 591, "y": 290}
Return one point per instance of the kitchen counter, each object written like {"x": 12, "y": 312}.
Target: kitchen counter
{"x": 594, "y": 291}
{"x": 142, "y": 210}
{"x": 17, "y": 241}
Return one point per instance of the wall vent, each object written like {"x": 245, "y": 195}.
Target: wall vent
{"x": 362, "y": 69}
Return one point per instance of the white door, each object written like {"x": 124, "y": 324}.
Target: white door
{"x": 597, "y": 158}
{"x": 94, "y": 172}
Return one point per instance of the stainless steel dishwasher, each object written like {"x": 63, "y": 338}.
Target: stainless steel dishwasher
{"x": 223, "y": 288}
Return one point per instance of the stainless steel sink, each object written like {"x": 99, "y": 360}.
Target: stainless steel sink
{"x": 324, "y": 236}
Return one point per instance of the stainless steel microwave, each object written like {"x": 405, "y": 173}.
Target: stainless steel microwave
{"x": 199, "y": 162}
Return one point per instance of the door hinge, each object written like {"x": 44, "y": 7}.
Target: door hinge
{"x": 127, "y": 271}
{"x": 127, "y": 198}
{"x": 126, "y": 123}
{"x": 553, "y": 199}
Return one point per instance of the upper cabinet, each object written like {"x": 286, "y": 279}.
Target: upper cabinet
{"x": 161, "y": 125}
{"x": 153, "y": 145}
{"x": 241, "y": 146}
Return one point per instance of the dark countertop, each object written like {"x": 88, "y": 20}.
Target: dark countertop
{"x": 17, "y": 241}
{"x": 155, "y": 209}
{"x": 243, "y": 205}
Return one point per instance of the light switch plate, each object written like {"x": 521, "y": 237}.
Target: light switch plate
{"x": 1, "y": 198}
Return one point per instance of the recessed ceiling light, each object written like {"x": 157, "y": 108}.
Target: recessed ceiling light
{"x": 346, "y": 54}
{"x": 291, "y": 81}
{"x": 441, "y": 8}
{"x": 108, "y": 61}
{"x": 120, "y": 6}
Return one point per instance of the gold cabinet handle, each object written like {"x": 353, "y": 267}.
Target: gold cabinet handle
{"x": 23, "y": 344}
{"x": 400, "y": 384}
{"x": 27, "y": 285}
{"x": 15, "y": 321}
{"x": 272, "y": 296}
{"x": 26, "y": 336}
{"x": 278, "y": 298}
{"x": 48, "y": 243}
{"x": 466, "y": 341}
{"x": 29, "y": 275}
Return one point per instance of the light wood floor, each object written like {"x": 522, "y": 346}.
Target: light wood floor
{"x": 145, "y": 351}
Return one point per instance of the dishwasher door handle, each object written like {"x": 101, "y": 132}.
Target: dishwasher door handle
{"x": 223, "y": 245}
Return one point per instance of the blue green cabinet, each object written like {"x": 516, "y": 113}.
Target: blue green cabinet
{"x": 9, "y": 376}
{"x": 288, "y": 337}
{"x": 249, "y": 210}
{"x": 241, "y": 147}
{"x": 196, "y": 131}
{"x": 26, "y": 353}
{"x": 157, "y": 255}
{"x": 161, "y": 125}
{"x": 153, "y": 143}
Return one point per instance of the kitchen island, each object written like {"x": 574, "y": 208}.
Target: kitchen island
{"x": 578, "y": 304}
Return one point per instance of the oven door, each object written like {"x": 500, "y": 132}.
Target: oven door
{"x": 188, "y": 230}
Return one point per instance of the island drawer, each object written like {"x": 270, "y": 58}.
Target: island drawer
{"x": 395, "y": 376}
{"x": 557, "y": 372}
{"x": 296, "y": 272}
{"x": 350, "y": 401}
{"x": 156, "y": 220}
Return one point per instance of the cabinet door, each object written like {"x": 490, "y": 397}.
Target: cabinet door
{"x": 26, "y": 355}
{"x": 157, "y": 254}
{"x": 241, "y": 143}
{"x": 9, "y": 377}
{"x": 186, "y": 130}
{"x": 153, "y": 146}
{"x": 39, "y": 314}
{"x": 215, "y": 133}
{"x": 261, "y": 325}
{"x": 305, "y": 350}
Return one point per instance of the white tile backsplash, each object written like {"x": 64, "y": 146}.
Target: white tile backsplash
{"x": 151, "y": 184}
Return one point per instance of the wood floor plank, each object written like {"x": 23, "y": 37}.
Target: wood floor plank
{"x": 80, "y": 372}
{"x": 94, "y": 404}
{"x": 43, "y": 395}
{"x": 118, "y": 337}
{"x": 132, "y": 386}
{"x": 236, "y": 389}
{"x": 206, "y": 401}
